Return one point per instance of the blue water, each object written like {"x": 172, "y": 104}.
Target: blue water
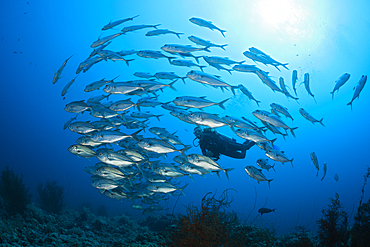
{"x": 325, "y": 40}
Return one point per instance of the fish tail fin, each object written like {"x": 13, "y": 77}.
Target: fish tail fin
{"x": 258, "y": 103}
{"x": 272, "y": 141}
{"x": 201, "y": 68}
{"x": 350, "y": 103}
{"x": 273, "y": 210}
{"x": 133, "y": 135}
{"x": 218, "y": 174}
{"x": 332, "y": 95}
{"x": 284, "y": 65}
{"x": 178, "y": 35}
{"x": 183, "y": 150}
{"x": 169, "y": 59}
{"x": 291, "y": 130}
{"x": 273, "y": 167}
{"x": 222, "y": 32}
{"x": 241, "y": 62}
{"x": 206, "y": 49}
{"x": 229, "y": 70}
{"x": 227, "y": 172}
{"x": 155, "y": 26}
{"x": 182, "y": 189}
{"x": 183, "y": 79}
{"x": 233, "y": 89}
{"x": 268, "y": 181}
{"x": 221, "y": 104}
{"x": 127, "y": 61}
{"x": 291, "y": 162}
{"x": 191, "y": 177}
{"x": 171, "y": 85}
{"x": 223, "y": 47}
{"x": 157, "y": 116}
{"x": 197, "y": 58}
{"x": 321, "y": 122}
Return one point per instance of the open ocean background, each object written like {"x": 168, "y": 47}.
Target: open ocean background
{"x": 323, "y": 38}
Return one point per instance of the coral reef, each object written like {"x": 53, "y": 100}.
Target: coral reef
{"x": 13, "y": 191}
{"x": 37, "y": 227}
{"x": 51, "y": 196}
{"x": 333, "y": 225}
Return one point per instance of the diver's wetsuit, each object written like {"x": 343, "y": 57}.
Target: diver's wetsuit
{"x": 219, "y": 144}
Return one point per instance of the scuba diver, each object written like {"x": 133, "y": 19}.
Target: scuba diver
{"x": 213, "y": 144}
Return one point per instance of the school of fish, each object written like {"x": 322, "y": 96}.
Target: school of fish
{"x": 132, "y": 161}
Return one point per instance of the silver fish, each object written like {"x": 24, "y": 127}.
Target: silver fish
{"x": 252, "y": 135}
{"x": 207, "y": 24}
{"x": 340, "y": 82}
{"x": 358, "y": 89}
{"x": 162, "y": 31}
{"x": 82, "y": 151}
{"x": 116, "y": 23}
{"x": 165, "y": 187}
{"x": 246, "y": 68}
{"x": 209, "y": 80}
{"x": 67, "y": 87}
{"x": 186, "y": 63}
{"x": 143, "y": 75}
{"x": 205, "y": 43}
{"x": 104, "y": 183}
{"x": 111, "y": 136}
{"x": 110, "y": 157}
{"x": 325, "y": 168}
{"x": 101, "y": 41}
{"x": 315, "y": 162}
{"x": 174, "y": 48}
{"x": 220, "y": 60}
{"x": 306, "y": 83}
{"x": 294, "y": 81}
{"x": 153, "y": 54}
{"x": 248, "y": 93}
{"x": 137, "y": 27}
{"x": 97, "y": 84}
{"x": 307, "y": 116}
{"x": 284, "y": 89}
{"x": 264, "y": 164}
{"x": 272, "y": 119}
{"x": 58, "y": 74}
{"x": 207, "y": 164}
{"x": 197, "y": 102}
{"x": 168, "y": 76}
{"x": 160, "y": 146}
{"x": 283, "y": 110}
{"x": 206, "y": 119}
{"x": 268, "y": 81}
{"x": 257, "y": 174}
{"x": 76, "y": 106}
{"x": 278, "y": 156}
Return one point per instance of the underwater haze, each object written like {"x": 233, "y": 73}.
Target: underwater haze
{"x": 322, "y": 38}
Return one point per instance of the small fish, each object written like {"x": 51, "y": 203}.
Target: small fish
{"x": 257, "y": 174}
{"x": 207, "y": 24}
{"x": 58, "y": 74}
{"x": 306, "y": 83}
{"x": 220, "y": 60}
{"x": 265, "y": 210}
{"x": 137, "y": 27}
{"x": 82, "y": 151}
{"x": 197, "y": 102}
{"x": 278, "y": 156}
{"x": 186, "y": 63}
{"x": 67, "y": 87}
{"x": 268, "y": 81}
{"x": 245, "y": 68}
{"x": 294, "y": 81}
{"x": 116, "y": 23}
{"x": 307, "y": 116}
{"x": 284, "y": 89}
{"x": 358, "y": 89}
{"x": 153, "y": 54}
{"x": 325, "y": 168}
{"x": 162, "y": 31}
{"x": 336, "y": 177}
{"x": 283, "y": 110}
{"x": 209, "y": 80}
{"x": 264, "y": 164}
{"x": 101, "y": 41}
{"x": 205, "y": 43}
{"x": 248, "y": 93}
{"x": 143, "y": 75}
{"x": 340, "y": 82}
{"x": 174, "y": 48}
{"x": 206, "y": 119}
{"x": 315, "y": 162}
{"x": 165, "y": 187}
{"x": 272, "y": 119}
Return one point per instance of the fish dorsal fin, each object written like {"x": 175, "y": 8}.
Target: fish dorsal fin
{"x": 202, "y": 97}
